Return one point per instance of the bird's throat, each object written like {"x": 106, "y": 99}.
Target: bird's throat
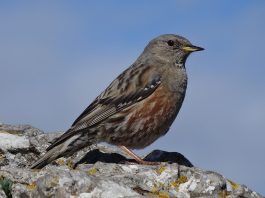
{"x": 180, "y": 65}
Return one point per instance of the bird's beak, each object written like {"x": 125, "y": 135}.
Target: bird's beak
{"x": 192, "y": 48}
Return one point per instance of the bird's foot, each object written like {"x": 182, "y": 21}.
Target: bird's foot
{"x": 143, "y": 162}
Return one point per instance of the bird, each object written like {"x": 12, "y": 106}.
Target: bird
{"x": 137, "y": 108}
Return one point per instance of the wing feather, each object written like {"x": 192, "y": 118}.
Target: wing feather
{"x": 106, "y": 105}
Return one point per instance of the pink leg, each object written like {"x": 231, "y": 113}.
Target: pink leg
{"x": 136, "y": 157}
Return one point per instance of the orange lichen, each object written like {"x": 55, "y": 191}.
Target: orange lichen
{"x": 31, "y": 186}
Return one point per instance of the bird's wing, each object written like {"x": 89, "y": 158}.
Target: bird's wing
{"x": 132, "y": 86}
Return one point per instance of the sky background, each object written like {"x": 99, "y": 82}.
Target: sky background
{"x": 57, "y": 56}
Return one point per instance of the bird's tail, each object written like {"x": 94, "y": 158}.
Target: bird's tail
{"x": 47, "y": 158}
{"x": 66, "y": 148}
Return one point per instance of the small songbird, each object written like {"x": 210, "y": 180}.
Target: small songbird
{"x": 137, "y": 108}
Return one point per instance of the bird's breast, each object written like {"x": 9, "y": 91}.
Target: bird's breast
{"x": 147, "y": 120}
{"x": 175, "y": 79}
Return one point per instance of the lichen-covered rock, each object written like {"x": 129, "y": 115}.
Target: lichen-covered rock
{"x": 101, "y": 171}
{"x": 20, "y": 145}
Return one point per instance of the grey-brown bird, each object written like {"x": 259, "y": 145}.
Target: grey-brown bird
{"x": 137, "y": 108}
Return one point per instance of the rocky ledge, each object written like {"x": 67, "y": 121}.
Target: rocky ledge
{"x": 101, "y": 171}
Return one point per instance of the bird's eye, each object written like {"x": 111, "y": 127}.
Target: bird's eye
{"x": 170, "y": 43}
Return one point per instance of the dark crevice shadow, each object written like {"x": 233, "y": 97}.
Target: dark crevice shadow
{"x": 96, "y": 155}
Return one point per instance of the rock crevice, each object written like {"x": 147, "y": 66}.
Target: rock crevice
{"x": 101, "y": 171}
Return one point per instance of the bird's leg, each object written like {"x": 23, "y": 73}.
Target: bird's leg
{"x": 136, "y": 157}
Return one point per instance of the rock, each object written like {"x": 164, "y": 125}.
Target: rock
{"x": 101, "y": 171}
{"x": 22, "y": 144}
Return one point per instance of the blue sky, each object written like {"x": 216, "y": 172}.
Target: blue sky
{"x": 56, "y": 57}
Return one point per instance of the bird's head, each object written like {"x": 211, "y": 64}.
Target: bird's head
{"x": 171, "y": 48}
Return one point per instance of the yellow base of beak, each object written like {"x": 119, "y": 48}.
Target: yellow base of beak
{"x": 192, "y": 48}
